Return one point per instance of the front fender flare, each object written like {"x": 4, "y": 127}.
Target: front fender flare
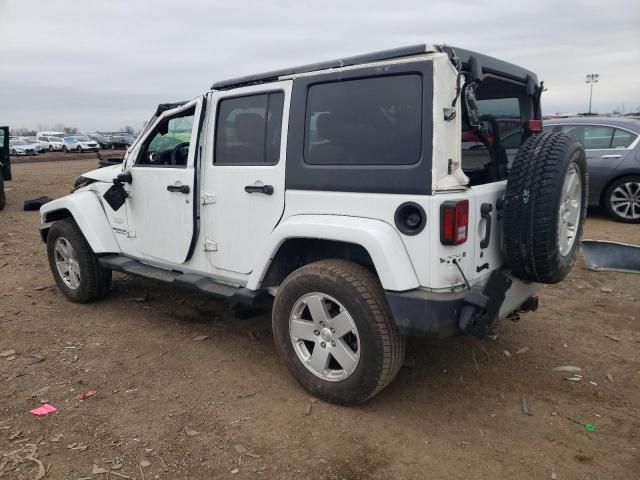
{"x": 381, "y": 240}
{"x": 88, "y": 213}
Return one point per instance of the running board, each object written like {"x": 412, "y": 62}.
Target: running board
{"x": 236, "y": 295}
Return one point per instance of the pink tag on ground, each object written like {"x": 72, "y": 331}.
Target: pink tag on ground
{"x": 42, "y": 410}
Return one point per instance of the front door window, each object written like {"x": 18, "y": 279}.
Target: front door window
{"x": 169, "y": 144}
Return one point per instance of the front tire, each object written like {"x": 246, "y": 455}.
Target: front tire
{"x": 622, "y": 199}
{"x": 79, "y": 149}
{"x": 64, "y": 149}
{"x": 335, "y": 333}
{"x": 74, "y": 266}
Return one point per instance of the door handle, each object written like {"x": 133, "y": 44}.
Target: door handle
{"x": 266, "y": 189}
{"x": 485, "y": 212}
{"x": 179, "y": 188}
{"x": 615, "y": 155}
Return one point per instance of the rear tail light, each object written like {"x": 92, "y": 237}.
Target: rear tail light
{"x": 454, "y": 222}
{"x": 534, "y": 126}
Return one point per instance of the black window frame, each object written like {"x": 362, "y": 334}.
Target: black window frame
{"x": 268, "y": 93}
{"x": 414, "y": 178}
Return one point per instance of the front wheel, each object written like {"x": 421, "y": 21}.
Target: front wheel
{"x": 74, "y": 266}
{"x": 334, "y": 331}
{"x": 79, "y": 149}
{"x": 50, "y": 148}
{"x": 622, "y": 199}
{"x": 64, "y": 149}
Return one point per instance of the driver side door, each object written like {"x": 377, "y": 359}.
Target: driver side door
{"x": 161, "y": 195}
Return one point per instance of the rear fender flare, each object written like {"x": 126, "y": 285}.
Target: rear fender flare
{"x": 378, "y": 238}
{"x": 87, "y": 211}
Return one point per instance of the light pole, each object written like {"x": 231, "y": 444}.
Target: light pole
{"x": 591, "y": 79}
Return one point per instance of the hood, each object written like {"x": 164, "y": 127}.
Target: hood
{"x": 105, "y": 174}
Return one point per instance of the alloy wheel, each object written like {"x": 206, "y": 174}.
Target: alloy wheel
{"x": 324, "y": 337}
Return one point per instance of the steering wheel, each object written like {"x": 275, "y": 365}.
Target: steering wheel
{"x": 176, "y": 149}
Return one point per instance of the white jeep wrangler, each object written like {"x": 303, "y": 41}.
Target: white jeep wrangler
{"x": 399, "y": 193}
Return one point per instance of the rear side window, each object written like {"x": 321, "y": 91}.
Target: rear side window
{"x": 373, "y": 121}
{"x": 248, "y": 129}
{"x": 622, "y": 138}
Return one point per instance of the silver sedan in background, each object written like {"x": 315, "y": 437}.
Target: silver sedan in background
{"x": 612, "y": 145}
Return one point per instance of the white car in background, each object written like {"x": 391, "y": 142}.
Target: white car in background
{"x": 51, "y": 143}
{"x": 36, "y": 145}
{"x": 20, "y": 147}
{"x": 79, "y": 143}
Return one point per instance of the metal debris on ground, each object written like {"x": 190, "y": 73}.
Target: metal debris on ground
{"x": 307, "y": 412}
{"x": 7, "y": 353}
{"x": 200, "y": 338}
{"x": 522, "y": 350}
{"x": 190, "y": 432}
{"x": 610, "y": 377}
{"x": 613, "y": 338}
{"x": 567, "y": 368}
{"x": 84, "y": 396}
{"x": 507, "y": 353}
{"x": 525, "y": 407}
{"x": 575, "y": 378}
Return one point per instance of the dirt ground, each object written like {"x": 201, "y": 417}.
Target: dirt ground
{"x": 170, "y": 406}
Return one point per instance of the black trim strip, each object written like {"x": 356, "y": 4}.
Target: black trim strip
{"x": 197, "y": 157}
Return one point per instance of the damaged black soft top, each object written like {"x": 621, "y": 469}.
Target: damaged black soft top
{"x": 486, "y": 64}
{"x": 163, "y": 107}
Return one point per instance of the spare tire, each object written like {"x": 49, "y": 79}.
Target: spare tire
{"x": 544, "y": 207}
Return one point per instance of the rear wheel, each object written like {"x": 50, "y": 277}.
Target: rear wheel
{"x": 334, "y": 331}
{"x": 79, "y": 149}
{"x": 622, "y": 199}
{"x": 73, "y": 264}
{"x": 50, "y": 148}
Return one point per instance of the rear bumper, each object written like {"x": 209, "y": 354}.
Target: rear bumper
{"x": 419, "y": 313}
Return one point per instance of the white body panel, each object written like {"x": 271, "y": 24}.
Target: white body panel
{"x": 160, "y": 222}
{"x": 237, "y": 223}
{"x": 88, "y": 212}
{"x": 380, "y": 239}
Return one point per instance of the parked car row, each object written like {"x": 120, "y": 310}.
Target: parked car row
{"x": 61, "y": 142}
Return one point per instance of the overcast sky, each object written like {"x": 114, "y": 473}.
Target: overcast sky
{"x": 104, "y": 64}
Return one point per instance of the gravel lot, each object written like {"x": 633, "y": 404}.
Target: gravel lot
{"x": 172, "y": 405}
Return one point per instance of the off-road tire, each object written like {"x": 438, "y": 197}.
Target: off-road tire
{"x": 606, "y": 199}
{"x": 381, "y": 349}
{"x": 3, "y": 198}
{"x": 95, "y": 281}
{"x": 531, "y": 207}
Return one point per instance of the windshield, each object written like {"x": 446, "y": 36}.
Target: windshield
{"x": 55, "y": 139}
{"x": 17, "y": 141}
{"x": 83, "y": 138}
